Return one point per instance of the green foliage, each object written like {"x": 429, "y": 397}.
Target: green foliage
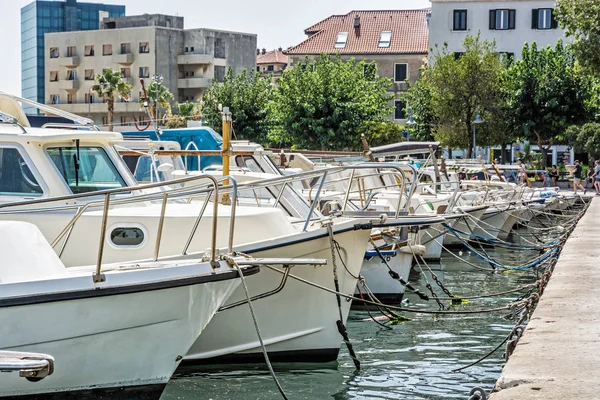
{"x": 186, "y": 111}
{"x": 110, "y": 84}
{"x": 419, "y": 99}
{"x": 158, "y": 95}
{"x": 247, "y": 95}
{"x": 546, "y": 94}
{"x": 323, "y": 104}
{"x": 527, "y": 155}
{"x": 462, "y": 87}
{"x": 586, "y": 138}
{"x": 380, "y": 133}
{"x": 581, "y": 20}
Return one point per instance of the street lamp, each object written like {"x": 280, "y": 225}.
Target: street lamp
{"x": 476, "y": 122}
{"x": 411, "y": 121}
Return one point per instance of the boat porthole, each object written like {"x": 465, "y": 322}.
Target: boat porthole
{"x": 130, "y": 236}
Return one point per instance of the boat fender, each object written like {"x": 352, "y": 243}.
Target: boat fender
{"x": 417, "y": 249}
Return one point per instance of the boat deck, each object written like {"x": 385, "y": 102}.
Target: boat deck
{"x": 558, "y": 356}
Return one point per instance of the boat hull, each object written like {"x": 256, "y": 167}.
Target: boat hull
{"x": 297, "y": 324}
{"x": 102, "y": 341}
{"x": 378, "y": 280}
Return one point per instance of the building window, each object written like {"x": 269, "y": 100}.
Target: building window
{"x": 543, "y": 18}
{"x": 71, "y": 51}
{"x": 107, "y": 49}
{"x": 89, "y": 50}
{"x": 219, "y": 73}
{"x": 219, "y": 48}
{"x": 54, "y": 53}
{"x": 460, "y": 20}
{"x": 192, "y": 49}
{"x": 270, "y": 68}
{"x": 69, "y": 98}
{"x": 340, "y": 40}
{"x": 89, "y": 98}
{"x": 385, "y": 38}
{"x": 144, "y": 47}
{"x": 458, "y": 54}
{"x": 125, "y": 48}
{"x": 186, "y": 50}
{"x": 89, "y": 74}
{"x": 506, "y": 57}
{"x": 54, "y": 99}
{"x": 124, "y": 121}
{"x": 144, "y": 72}
{"x": 400, "y": 72}
{"x": 399, "y": 109}
{"x": 502, "y": 19}
{"x": 257, "y": 68}
{"x": 126, "y": 72}
{"x": 53, "y": 76}
{"x": 104, "y": 120}
{"x": 71, "y": 75}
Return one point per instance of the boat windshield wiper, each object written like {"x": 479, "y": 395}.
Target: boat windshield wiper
{"x": 76, "y": 162}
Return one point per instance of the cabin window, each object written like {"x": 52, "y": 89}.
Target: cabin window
{"x": 87, "y": 170}
{"x": 127, "y": 236}
{"x": 16, "y": 179}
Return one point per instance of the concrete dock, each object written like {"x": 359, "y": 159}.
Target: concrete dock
{"x": 558, "y": 356}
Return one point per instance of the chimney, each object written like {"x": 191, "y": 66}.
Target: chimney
{"x": 280, "y": 49}
{"x": 264, "y": 51}
{"x": 357, "y": 21}
{"x": 258, "y": 52}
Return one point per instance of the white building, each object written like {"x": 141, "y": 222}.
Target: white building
{"x": 510, "y": 23}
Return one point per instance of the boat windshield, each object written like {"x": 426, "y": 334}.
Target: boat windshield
{"x": 88, "y": 169}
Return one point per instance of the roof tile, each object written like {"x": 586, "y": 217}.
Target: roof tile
{"x": 272, "y": 57}
{"x": 408, "y": 27}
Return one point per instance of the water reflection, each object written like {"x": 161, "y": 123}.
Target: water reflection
{"x": 412, "y": 360}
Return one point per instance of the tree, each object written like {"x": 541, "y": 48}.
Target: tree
{"x": 380, "y": 133}
{"x": 323, "y": 104}
{"x": 247, "y": 95}
{"x": 586, "y": 138}
{"x": 463, "y": 86}
{"x": 581, "y": 20}
{"x": 158, "y": 95}
{"x": 546, "y": 94}
{"x": 186, "y": 111}
{"x": 419, "y": 104}
{"x": 110, "y": 84}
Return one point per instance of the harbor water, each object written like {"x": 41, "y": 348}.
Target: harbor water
{"x": 410, "y": 360}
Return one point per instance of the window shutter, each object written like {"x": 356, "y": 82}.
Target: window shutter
{"x": 492, "y": 19}
{"x": 534, "y": 18}
{"x": 553, "y": 22}
{"x": 511, "y": 18}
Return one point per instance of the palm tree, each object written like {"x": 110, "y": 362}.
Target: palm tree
{"x": 108, "y": 85}
{"x": 160, "y": 92}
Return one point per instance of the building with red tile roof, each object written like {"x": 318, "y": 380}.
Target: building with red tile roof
{"x": 271, "y": 62}
{"x": 395, "y": 40}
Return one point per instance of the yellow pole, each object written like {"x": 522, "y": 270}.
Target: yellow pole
{"x": 225, "y": 150}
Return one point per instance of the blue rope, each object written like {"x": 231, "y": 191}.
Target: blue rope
{"x": 494, "y": 263}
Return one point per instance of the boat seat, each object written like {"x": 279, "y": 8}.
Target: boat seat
{"x": 26, "y": 254}
{"x": 10, "y": 106}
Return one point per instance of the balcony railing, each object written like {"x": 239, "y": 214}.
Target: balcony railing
{"x": 194, "y": 58}
{"x": 69, "y": 61}
{"x": 193, "y": 83}
{"x": 122, "y": 58}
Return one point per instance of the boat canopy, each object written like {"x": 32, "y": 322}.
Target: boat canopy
{"x": 404, "y": 148}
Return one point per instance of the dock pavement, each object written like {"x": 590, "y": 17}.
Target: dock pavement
{"x": 558, "y": 356}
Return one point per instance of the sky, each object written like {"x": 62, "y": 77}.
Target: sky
{"x": 278, "y": 23}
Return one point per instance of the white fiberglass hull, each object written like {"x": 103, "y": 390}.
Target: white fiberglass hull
{"x": 466, "y": 224}
{"x": 298, "y": 323}
{"x": 121, "y": 334}
{"x": 497, "y": 224}
{"x": 378, "y": 280}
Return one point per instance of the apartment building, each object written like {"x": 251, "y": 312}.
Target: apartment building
{"x": 271, "y": 63}
{"x": 395, "y": 40}
{"x": 42, "y": 16}
{"x": 511, "y": 23}
{"x": 140, "y": 47}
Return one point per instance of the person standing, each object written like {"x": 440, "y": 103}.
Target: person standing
{"x": 553, "y": 175}
{"x": 577, "y": 178}
{"x": 597, "y": 177}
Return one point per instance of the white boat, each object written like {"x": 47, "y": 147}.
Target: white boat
{"x": 121, "y": 331}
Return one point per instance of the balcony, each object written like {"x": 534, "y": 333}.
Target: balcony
{"x": 193, "y": 58}
{"x": 68, "y": 85}
{"x": 193, "y": 83}
{"x": 122, "y": 58}
{"x": 69, "y": 61}
{"x": 100, "y": 108}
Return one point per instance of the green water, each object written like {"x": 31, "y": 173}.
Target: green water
{"x": 412, "y": 360}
